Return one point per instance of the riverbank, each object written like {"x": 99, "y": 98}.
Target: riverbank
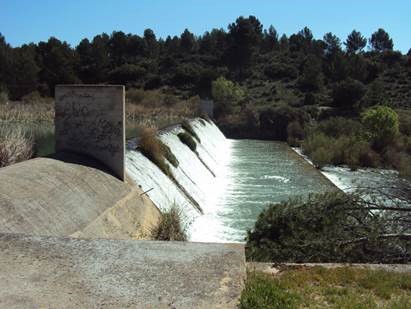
{"x": 369, "y": 180}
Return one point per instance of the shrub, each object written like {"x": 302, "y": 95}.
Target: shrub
{"x": 382, "y": 125}
{"x": 311, "y": 78}
{"x": 135, "y": 96}
{"x": 126, "y": 73}
{"x": 186, "y": 138}
{"x": 329, "y": 227}
{"x": 315, "y": 140}
{"x": 350, "y": 150}
{"x": 310, "y": 99}
{"x": 337, "y": 126}
{"x": 187, "y": 126}
{"x": 153, "y": 149}
{"x": 321, "y": 157}
{"x": 170, "y": 226}
{"x": 348, "y": 93}
{"x": 227, "y": 95}
{"x": 276, "y": 120}
{"x": 15, "y": 146}
{"x": 280, "y": 70}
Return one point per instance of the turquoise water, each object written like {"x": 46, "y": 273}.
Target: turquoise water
{"x": 257, "y": 174}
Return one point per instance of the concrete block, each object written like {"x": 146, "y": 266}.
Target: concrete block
{"x": 90, "y": 120}
{"x": 50, "y": 272}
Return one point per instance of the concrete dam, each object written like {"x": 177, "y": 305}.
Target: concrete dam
{"x": 73, "y": 224}
{"x": 72, "y": 195}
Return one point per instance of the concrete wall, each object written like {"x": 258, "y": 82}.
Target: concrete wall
{"x": 72, "y": 195}
{"x": 90, "y": 120}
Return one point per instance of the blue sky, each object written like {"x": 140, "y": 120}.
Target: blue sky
{"x": 24, "y": 21}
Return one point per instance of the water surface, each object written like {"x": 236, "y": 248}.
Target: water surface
{"x": 256, "y": 173}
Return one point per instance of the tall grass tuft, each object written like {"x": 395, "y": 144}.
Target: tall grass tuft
{"x": 186, "y": 138}
{"x": 187, "y": 126}
{"x": 156, "y": 151}
{"x": 168, "y": 154}
{"x": 15, "y": 145}
{"x": 170, "y": 227}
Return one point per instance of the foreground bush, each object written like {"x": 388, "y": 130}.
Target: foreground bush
{"x": 332, "y": 227}
{"x": 170, "y": 226}
{"x": 15, "y": 146}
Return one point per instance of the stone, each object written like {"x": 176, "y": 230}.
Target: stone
{"x": 90, "y": 120}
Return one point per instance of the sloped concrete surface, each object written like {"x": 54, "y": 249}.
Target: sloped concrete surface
{"x": 53, "y": 272}
{"x": 71, "y": 195}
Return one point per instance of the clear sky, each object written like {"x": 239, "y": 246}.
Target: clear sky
{"x": 24, "y": 21}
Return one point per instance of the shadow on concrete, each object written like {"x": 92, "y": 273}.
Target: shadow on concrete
{"x": 81, "y": 159}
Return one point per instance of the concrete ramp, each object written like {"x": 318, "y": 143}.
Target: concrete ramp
{"x": 53, "y": 272}
{"x": 72, "y": 195}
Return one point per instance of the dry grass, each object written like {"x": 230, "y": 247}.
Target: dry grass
{"x": 145, "y": 107}
{"x": 15, "y": 145}
{"x": 154, "y": 104}
{"x": 170, "y": 227}
{"x": 153, "y": 149}
{"x": 18, "y": 112}
{"x": 319, "y": 287}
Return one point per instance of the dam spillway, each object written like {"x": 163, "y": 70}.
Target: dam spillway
{"x": 232, "y": 181}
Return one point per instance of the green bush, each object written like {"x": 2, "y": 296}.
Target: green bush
{"x": 170, "y": 226}
{"x": 186, "y": 138}
{"x": 280, "y": 70}
{"x": 348, "y": 93}
{"x": 321, "y": 157}
{"x": 340, "y": 141}
{"x": 187, "y": 126}
{"x": 328, "y": 227}
{"x": 382, "y": 125}
{"x": 337, "y": 126}
{"x": 227, "y": 95}
{"x": 126, "y": 73}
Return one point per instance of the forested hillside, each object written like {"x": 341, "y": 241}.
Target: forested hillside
{"x": 297, "y": 70}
